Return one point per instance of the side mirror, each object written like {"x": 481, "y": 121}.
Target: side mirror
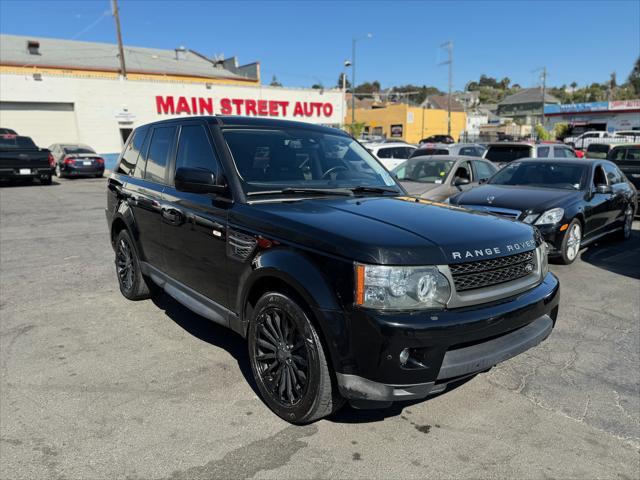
{"x": 197, "y": 180}
{"x": 603, "y": 189}
{"x": 459, "y": 181}
{"x": 483, "y": 180}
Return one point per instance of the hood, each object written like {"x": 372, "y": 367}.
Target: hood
{"x": 386, "y": 230}
{"x": 418, "y": 188}
{"x": 517, "y": 197}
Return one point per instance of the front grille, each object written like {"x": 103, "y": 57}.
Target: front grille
{"x": 484, "y": 273}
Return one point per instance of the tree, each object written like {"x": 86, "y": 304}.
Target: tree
{"x": 355, "y": 129}
{"x": 573, "y": 85}
{"x": 505, "y": 82}
{"x": 634, "y": 77}
{"x": 347, "y": 82}
{"x": 317, "y": 86}
{"x": 275, "y": 82}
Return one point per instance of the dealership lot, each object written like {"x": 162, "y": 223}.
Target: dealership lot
{"x": 94, "y": 386}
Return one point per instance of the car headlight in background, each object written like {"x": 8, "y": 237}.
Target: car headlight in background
{"x": 549, "y": 217}
{"x": 401, "y": 288}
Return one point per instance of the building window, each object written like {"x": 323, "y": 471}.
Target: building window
{"x": 33, "y": 47}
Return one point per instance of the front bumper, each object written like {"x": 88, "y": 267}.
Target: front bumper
{"x": 445, "y": 346}
{"x": 553, "y": 236}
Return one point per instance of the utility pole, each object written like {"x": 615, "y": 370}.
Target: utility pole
{"x": 353, "y": 83}
{"x": 116, "y": 16}
{"x": 544, "y": 92}
{"x": 449, "y": 46}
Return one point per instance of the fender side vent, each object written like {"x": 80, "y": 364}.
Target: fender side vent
{"x": 239, "y": 245}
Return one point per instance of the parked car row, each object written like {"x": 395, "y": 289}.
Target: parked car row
{"x": 22, "y": 160}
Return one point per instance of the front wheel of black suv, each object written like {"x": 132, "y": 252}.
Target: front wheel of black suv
{"x": 288, "y": 361}
{"x": 133, "y": 284}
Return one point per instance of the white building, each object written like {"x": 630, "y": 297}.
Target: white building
{"x": 58, "y": 91}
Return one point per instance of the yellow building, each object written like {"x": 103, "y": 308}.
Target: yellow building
{"x": 408, "y": 123}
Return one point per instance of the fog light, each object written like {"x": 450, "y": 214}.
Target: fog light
{"x": 404, "y": 356}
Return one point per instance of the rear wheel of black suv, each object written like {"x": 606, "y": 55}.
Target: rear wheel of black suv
{"x": 289, "y": 362}
{"x": 133, "y": 284}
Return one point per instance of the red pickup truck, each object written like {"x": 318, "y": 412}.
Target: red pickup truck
{"x": 21, "y": 159}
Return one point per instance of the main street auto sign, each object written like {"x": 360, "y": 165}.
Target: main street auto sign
{"x": 170, "y": 105}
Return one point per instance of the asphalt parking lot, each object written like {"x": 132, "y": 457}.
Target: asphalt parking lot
{"x": 95, "y": 386}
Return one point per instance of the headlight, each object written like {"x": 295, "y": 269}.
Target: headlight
{"x": 400, "y": 288}
{"x": 531, "y": 218}
{"x": 550, "y": 216}
{"x": 544, "y": 259}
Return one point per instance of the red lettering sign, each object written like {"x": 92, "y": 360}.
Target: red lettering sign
{"x": 169, "y": 105}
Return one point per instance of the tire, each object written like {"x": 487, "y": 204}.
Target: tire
{"x": 46, "y": 180}
{"x": 625, "y": 233}
{"x": 133, "y": 285}
{"x": 288, "y": 361}
{"x": 58, "y": 171}
{"x": 571, "y": 243}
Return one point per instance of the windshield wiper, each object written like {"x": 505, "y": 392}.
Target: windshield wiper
{"x": 305, "y": 191}
{"x": 370, "y": 189}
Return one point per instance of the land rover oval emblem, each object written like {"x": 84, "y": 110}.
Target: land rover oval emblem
{"x": 490, "y": 199}
{"x": 528, "y": 267}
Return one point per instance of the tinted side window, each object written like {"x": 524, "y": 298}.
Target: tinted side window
{"x": 471, "y": 151}
{"x": 159, "y": 151}
{"x": 617, "y": 154}
{"x": 633, "y": 154}
{"x": 385, "y": 153}
{"x": 613, "y": 174}
{"x": 543, "y": 152}
{"x": 132, "y": 152}
{"x": 484, "y": 170}
{"x": 195, "y": 151}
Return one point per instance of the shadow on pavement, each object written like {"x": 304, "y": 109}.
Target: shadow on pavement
{"x": 614, "y": 256}
{"x": 209, "y": 332}
{"x": 26, "y": 183}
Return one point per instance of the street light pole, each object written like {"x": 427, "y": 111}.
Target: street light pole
{"x": 353, "y": 77}
{"x": 353, "y": 81}
{"x": 449, "y": 46}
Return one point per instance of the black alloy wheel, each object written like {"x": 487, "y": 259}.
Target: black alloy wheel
{"x": 133, "y": 285}
{"x": 627, "y": 226}
{"x": 288, "y": 361}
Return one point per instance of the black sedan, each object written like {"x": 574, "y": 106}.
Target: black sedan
{"x": 76, "y": 160}
{"x": 572, "y": 202}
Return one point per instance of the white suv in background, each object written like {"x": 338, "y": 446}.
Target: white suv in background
{"x": 391, "y": 154}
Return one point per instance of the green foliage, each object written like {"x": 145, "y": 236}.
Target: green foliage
{"x": 634, "y": 78}
{"x": 355, "y": 129}
{"x": 560, "y": 130}
{"x": 542, "y": 133}
{"x": 317, "y": 86}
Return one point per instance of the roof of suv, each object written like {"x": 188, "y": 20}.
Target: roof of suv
{"x": 240, "y": 121}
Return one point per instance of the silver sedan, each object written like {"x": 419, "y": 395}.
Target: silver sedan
{"x": 437, "y": 177}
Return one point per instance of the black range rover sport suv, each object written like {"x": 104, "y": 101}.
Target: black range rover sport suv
{"x": 298, "y": 239}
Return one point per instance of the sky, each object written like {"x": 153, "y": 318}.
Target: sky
{"x": 307, "y": 42}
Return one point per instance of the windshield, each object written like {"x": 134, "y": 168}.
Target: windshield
{"x": 73, "y": 150}
{"x": 507, "y": 153}
{"x": 424, "y": 171}
{"x": 542, "y": 174}
{"x": 270, "y": 160}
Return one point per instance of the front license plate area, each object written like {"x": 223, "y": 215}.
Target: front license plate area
{"x": 25, "y": 171}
